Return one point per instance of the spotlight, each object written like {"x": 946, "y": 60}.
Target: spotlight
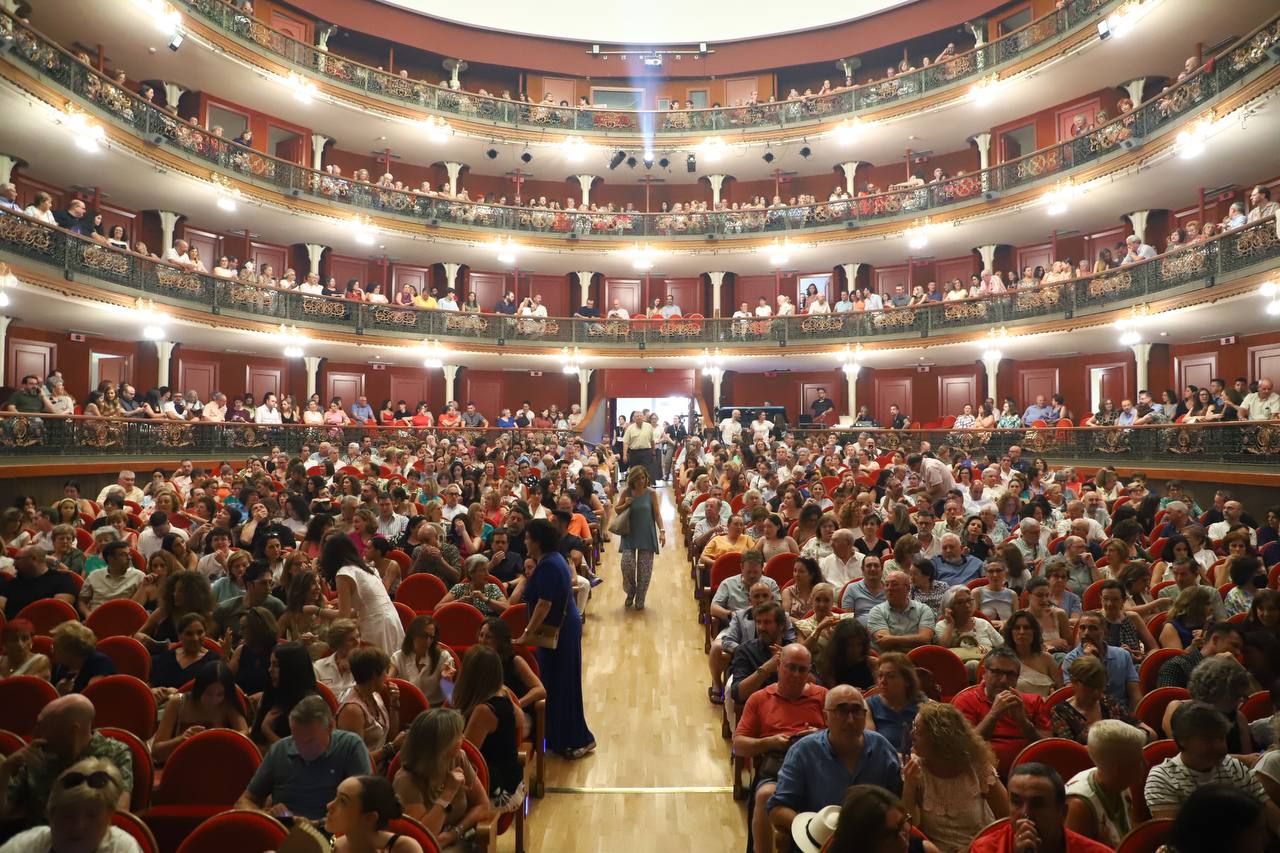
{"x": 526, "y": 157}
{"x": 492, "y": 153}
{"x": 702, "y": 47}
{"x": 664, "y": 163}
{"x": 175, "y": 42}
{"x": 648, "y": 155}
{"x": 692, "y": 163}
{"x": 616, "y": 160}
{"x": 806, "y": 151}
{"x": 631, "y": 162}
{"x": 767, "y": 157}
{"x": 595, "y": 49}
{"x": 1104, "y": 30}
{"x": 648, "y": 162}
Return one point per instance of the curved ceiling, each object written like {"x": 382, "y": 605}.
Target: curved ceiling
{"x": 656, "y": 22}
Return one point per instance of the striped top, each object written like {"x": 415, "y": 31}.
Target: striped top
{"x": 1171, "y": 782}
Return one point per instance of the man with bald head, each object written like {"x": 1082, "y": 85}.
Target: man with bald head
{"x": 64, "y": 735}
{"x": 774, "y": 718}
{"x": 820, "y": 767}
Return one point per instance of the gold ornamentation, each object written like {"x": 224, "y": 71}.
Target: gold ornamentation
{"x": 1110, "y": 285}
{"x": 1255, "y": 241}
{"x": 821, "y": 323}
{"x": 99, "y": 258}
{"x": 391, "y": 317}
{"x": 324, "y": 308}
{"x": 1037, "y": 300}
{"x": 1112, "y": 441}
{"x": 1262, "y": 441}
{"x": 1185, "y": 441}
{"x": 16, "y": 230}
{"x": 894, "y": 319}
{"x": 176, "y": 280}
{"x": 466, "y": 324}
{"x": 962, "y": 311}
{"x": 102, "y": 433}
{"x": 609, "y": 329}
{"x": 175, "y": 435}
{"x": 1190, "y": 262}
{"x": 21, "y": 431}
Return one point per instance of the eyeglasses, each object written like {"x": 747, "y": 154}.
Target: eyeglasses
{"x": 97, "y": 780}
{"x": 848, "y": 710}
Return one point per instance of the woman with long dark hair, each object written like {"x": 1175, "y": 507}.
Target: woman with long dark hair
{"x": 290, "y": 677}
{"x": 211, "y": 703}
{"x": 361, "y": 595}
{"x": 555, "y": 627}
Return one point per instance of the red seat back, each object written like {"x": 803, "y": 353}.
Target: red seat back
{"x": 10, "y": 743}
{"x": 1151, "y": 664}
{"x": 1065, "y": 756}
{"x": 458, "y": 623}
{"x": 144, "y": 772}
{"x": 1152, "y": 707}
{"x": 948, "y": 670}
{"x": 243, "y": 829}
{"x": 121, "y": 617}
{"x": 1093, "y": 596}
{"x": 21, "y": 699}
{"x": 725, "y": 566}
{"x": 1257, "y": 706}
{"x": 1146, "y": 837}
{"x": 223, "y": 760}
{"x": 123, "y": 701}
{"x": 406, "y": 613}
{"x": 129, "y": 656}
{"x": 138, "y": 831}
{"x": 1062, "y": 694}
{"x": 411, "y": 828}
{"x": 517, "y": 618}
{"x": 421, "y": 591}
{"x": 403, "y": 559}
{"x": 323, "y": 691}
{"x": 780, "y": 567}
{"x": 412, "y": 702}
{"x": 47, "y": 614}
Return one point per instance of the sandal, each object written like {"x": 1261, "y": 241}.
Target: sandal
{"x": 716, "y": 695}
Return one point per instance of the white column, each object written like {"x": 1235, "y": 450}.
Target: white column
{"x": 585, "y": 182}
{"x": 172, "y": 94}
{"x": 851, "y": 275}
{"x": 7, "y": 165}
{"x": 164, "y": 350}
{"x": 1134, "y": 87}
{"x": 1138, "y": 219}
{"x": 983, "y": 141}
{"x": 4, "y": 346}
{"x": 168, "y": 222}
{"x": 584, "y": 282}
{"x": 451, "y": 275}
{"x": 717, "y": 284}
{"x": 988, "y": 253}
{"x": 717, "y": 377}
{"x": 455, "y": 81}
{"x": 450, "y": 374}
{"x": 584, "y": 378}
{"x": 318, "y": 141}
{"x": 851, "y": 390}
{"x": 991, "y": 361}
{"x": 1141, "y": 354}
{"x": 850, "y": 173}
{"x": 455, "y": 169}
{"x": 717, "y": 184}
{"x": 978, "y": 29}
{"x": 314, "y": 252}
{"x": 312, "y": 363}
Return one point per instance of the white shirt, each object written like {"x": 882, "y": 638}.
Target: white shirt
{"x": 873, "y": 303}
{"x": 449, "y": 513}
{"x": 618, "y": 314}
{"x": 1260, "y": 409}
{"x": 171, "y": 254}
{"x": 38, "y": 840}
{"x": 839, "y": 572}
{"x": 730, "y": 429}
{"x": 761, "y": 430}
{"x": 820, "y": 308}
{"x": 102, "y": 586}
{"x": 45, "y": 216}
{"x": 149, "y": 543}
{"x": 263, "y": 415}
{"x": 1219, "y": 529}
{"x": 764, "y": 311}
{"x": 786, "y": 309}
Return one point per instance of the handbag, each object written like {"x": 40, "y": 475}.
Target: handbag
{"x": 621, "y": 524}
{"x": 548, "y": 636}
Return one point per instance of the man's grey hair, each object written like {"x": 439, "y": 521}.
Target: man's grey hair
{"x": 1027, "y": 523}
{"x": 1176, "y": 505}
{"x": 311, "y": 709}
{"x": 1219, "y": 681}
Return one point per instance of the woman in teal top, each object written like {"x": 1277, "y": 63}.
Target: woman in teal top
{"x": 640, "y": 543}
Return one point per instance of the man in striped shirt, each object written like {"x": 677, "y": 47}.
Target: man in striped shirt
{"x": 1200, "y": 731}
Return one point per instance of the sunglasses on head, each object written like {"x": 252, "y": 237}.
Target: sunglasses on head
{"x": 97, "y": 780}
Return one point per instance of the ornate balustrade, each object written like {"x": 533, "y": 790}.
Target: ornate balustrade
{"x": 160, "y": 127}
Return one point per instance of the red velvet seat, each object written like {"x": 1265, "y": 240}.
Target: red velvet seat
{"x": 1150, "y": 669}
{"x": 782, "y": 568}
{"x": 10, "y": 742}
{"x": 21, "y": 699}
{"x": 411, "y": 828}
{"x": 47, "y": 614}
{"x": 138, "y": 831}
{"x": 224, "y": 761}
{"x": 1152, "y": 707}
{"x": 1257, "y": 706}
{"x": 240, "y": 830}
{"x": 144, "y": 772}
{"x": 327, "y": 695}
{"x": 948, "y": 670}
{"x": 422, "y": 592}
{"x": 121, "y": 617}
{"x": 1065, "y": 756}
{"x": 123, "y": 701}
{"x": 129, "y": 656}
{"x": 517, "y": 618}
{"x": 406, "y": 613}
{"x": 412, "y": 702}
{"x": 458, "y": 623}
{"x": 1146, "y": 837}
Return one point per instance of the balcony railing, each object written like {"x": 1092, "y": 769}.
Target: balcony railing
{"x": 163, "y": 128}
{"x": 1221, "y": 258}
{"x": 1249, "y": 442}
{"x": 440, "y": 100}
{"x": 78, "y": 435}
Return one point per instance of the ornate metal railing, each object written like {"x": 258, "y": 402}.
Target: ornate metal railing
{"x": 77, "y": 435}
{"x": 1241, "y": 442}
{"x": 1214, "y": 261}
{"x": 163, "y": 128}
{"x": 947, "y": 72}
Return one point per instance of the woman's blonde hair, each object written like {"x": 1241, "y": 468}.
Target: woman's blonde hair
{"x": 425, "y": 750}
{"x": 1089, "y": 671}
{"x": 63, "y": 796}
{"x": 341, "y": 630}
{"x": 1196, "y": 601}
{"x": 952, "y": 738}
{"x": 635, "y": 473}
{"x": 74, "y": 637}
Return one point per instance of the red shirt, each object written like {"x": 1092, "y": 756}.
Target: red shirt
{"x": 767, "y": 714}
{"x": 1007, "y": 739}
{"x": 1001, "y": 841}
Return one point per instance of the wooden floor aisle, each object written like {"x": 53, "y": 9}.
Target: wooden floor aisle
{"x": 660, "y": 779}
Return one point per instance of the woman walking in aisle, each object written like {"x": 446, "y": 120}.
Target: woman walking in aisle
{"x": 640, "y": 542}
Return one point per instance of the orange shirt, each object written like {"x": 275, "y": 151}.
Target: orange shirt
{"x": 579, "y": 527}
{"x": 721, "y": 545}
{"x": 767, "y": 714}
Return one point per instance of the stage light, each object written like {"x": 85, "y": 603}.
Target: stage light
{"x": 175, "y": 42}
{"x": 616, "y": 160}
{"x": 767, "y": 157}
{"x": 692, "y": 163}
{"x": 526, "y": 157}
{"x": 806, "y": 151}
{"x": 492, "y": 153}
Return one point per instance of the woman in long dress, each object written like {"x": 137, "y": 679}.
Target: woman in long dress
{"x": 640, "y": 543}
{"x": 361, "y": 594}
{"x": 549, "y": 593}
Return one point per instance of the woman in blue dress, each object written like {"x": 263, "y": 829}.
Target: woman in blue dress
{"x": 549, "y": 594}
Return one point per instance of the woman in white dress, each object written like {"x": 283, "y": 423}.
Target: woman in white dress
{"x": 361, "y": 594}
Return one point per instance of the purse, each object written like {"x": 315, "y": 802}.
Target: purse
{"x": 621, "y": 524}
{"x": 548, "y": 636}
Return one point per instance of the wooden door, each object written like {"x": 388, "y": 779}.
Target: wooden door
{"x": 809, "y": 393}
{"x": 629, "y": 293}
{"x": 343, "y": 269}
{"x": 1264, "y": 363}
{"x": 560, "y": 89}
{"x": 892, "y": 391}
{"x": 198, "y": 376}
{"x": 960, "y": 268}
{"x": 887, "y": 278}
{"x": 416, "y": 277}
{"x": 739, "y": 90}
{"x": 560, "y": 296}
{"x": 685, "y": 292}
{"x": 954, "y": 392}
{"x": 749, "y": 289}
{"x": 1065, "y": 117}
{"x": 1036, "y": 382}
{"x": 108, "y": 367}
{"x": 259, "y": 381}
{"x": 1107, "y": 382}
{"x": 485, "y": 392}
{"x": 34, "y": 358}
{"x": 1035, "y": 256}
{"x": 489, "y": 289}
{"x": 294, "y": 28}
{"x": 206, "y": 242}
{"x": 1195, "y": 370}
{"x": 348, "y": 386}
{"x": 410, "y": 388}
{"x": 264, "y": 253}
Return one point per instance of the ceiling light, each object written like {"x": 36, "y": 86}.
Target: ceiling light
{"x": 436, "y": 129}
{"x": 572, "y": 361}
{"x": 433, "y": 355}
{"x": 575, "y": 150}
{"x": 1269, "y": 289}
{"x": 506, "y": 251}
{"x": 984, "y": 92}
{"x": 779, "y": 255}
{"x": 848, "y": 131}
{"x": 642, "y": 257}
{"x": 1058, "y": 200}
{"x": 293, "y": 341}
{"x": 617, "y": 159}
{"x": 363, "y": 229}
{"x": 1273, "y": 307}
{"x": 851, "y": 361}
{"x": 1192, "y": 141}
{"x": 227, "y": 203}
{"x": 712, "y": 149}
{"x": 88, "y": 134}
{"x": 7, "y": 280}
{"x": 711, "y": 363}
{"x": 1130, "y": 338}
{"x": 303, "y": 89}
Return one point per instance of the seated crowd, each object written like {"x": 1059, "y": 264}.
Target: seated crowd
{"x": 268, "y": 603}
{"x": 917, "y": 625}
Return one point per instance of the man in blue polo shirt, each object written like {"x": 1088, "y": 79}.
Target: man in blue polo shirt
{"x": 1122, "y": 675}
{"x": 301, "y": 773}
{"x": 820, "y": 767}
{"x": 953, "y": 566}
